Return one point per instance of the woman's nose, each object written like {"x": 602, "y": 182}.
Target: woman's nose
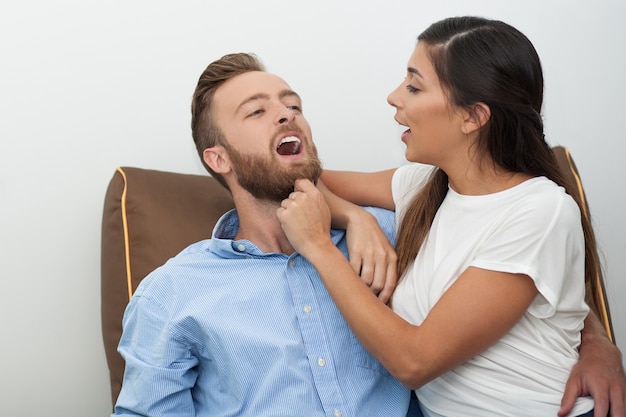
{"x": 392, "y": 98}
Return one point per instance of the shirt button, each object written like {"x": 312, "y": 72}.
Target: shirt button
{"x": 337, "y": 413}
{"x": 241, "y": 247}
{"x": 321, "y": 362}
{"x": 307, "y": 308}
{"x": 292, "y": 263}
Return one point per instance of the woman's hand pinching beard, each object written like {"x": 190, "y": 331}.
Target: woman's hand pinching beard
{"x": 305, "y": 218}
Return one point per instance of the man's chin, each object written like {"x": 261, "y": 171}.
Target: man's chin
{"x": 266, "y": 182}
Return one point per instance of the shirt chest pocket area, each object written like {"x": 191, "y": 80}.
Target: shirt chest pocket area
{"x": 363, "y": 359}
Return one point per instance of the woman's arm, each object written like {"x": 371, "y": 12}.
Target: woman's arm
{"x": 372, "y": 256}
{"x": 477, "y": 310}
{"x": 599, "y": 371}
{"x": 361, "y": 188}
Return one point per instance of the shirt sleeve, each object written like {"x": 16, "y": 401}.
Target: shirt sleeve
{"x": 406, "y": 182}
{"x": 160, "y": 370}
{"x": 541, "y": 238}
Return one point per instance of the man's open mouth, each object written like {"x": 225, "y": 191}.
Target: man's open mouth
{"x": 290, "y": 145}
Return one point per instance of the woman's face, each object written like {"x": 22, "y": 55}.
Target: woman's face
{"x": 434, "y": 125}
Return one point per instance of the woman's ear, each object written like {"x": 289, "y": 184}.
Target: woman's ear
{"x": 477, "y": 117}
{"x": 217, "y": 159}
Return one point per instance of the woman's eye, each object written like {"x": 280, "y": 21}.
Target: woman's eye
{"x": 295, "y": 107}
{"x": 412, "y": 89}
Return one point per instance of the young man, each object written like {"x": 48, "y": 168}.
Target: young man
{"x": 240, "y": 325}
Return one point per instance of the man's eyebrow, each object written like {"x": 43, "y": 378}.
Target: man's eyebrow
{"x": 258, "y": 96}
{"x": 289, "y": 93}
{"x": 414, "y": 71}
{"x": 263, "y": 96}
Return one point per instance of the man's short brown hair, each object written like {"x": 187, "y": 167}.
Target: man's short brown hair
{"x": 204, "y": 130}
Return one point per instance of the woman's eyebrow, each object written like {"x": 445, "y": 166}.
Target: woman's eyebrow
{"x": 414, "y": 71}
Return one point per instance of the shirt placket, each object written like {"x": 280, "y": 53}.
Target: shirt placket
{"x": 314, "y": 336}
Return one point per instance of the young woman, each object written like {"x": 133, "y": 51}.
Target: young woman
{"x": 488, "y": 313}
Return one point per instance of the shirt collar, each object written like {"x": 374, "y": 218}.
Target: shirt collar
{"x": 226, "y": 228}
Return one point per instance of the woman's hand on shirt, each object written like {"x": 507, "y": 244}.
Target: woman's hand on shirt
{"x": 371, "y": 255}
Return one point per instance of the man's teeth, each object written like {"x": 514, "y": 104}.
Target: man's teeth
{"x": 289, "y": 146}
{"x": 289, "y": 139}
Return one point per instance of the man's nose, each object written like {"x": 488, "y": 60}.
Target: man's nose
{"x": 286, "y": 115}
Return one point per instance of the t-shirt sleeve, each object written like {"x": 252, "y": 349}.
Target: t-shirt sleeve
{"x": 541, "y": 238}
{"x": 406, "y": 182}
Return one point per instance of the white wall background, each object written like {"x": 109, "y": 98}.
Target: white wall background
{"x": 86, "y": 86}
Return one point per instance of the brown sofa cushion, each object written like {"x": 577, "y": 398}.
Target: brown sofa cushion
{"x": 149, "y": 216}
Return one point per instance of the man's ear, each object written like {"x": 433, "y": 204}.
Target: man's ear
{"x": 217, "y": 159}
{"x": 476, "y": 117}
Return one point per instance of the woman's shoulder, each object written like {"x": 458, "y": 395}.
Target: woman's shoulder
{"x": 408, "y": 179}
{"x": 545, "y": 196}
{"x": 546, "y": 190}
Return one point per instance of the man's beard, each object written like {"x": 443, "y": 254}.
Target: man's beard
{"x": 266, "y": 179}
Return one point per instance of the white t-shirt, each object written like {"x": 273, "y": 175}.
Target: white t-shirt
{"x": 533, "y": 228}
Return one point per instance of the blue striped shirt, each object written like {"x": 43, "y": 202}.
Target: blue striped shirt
{"x": 223, "y": 329}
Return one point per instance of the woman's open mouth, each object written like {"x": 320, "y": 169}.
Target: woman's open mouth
{"x": 405, "y": 134}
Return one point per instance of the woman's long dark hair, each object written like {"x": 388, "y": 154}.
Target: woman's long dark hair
{"x": 487, "y": 61}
